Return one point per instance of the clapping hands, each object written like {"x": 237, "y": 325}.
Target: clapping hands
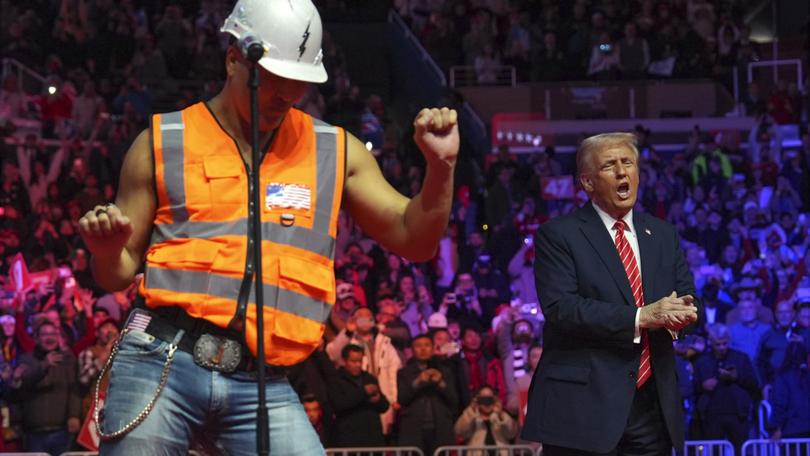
{"x": 670, "y": 312}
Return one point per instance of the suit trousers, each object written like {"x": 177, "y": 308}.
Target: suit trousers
{"x": 645, "y": 434}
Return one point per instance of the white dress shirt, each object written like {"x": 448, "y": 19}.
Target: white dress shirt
{"x": 630, "y": 235}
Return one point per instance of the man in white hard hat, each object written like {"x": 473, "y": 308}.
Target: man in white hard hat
{"x": 185, "y": 366}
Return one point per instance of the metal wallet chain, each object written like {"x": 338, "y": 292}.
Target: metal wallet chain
{"x": 164, "y": 376}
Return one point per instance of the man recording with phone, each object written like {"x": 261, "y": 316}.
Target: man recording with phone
{"x": 492, "y": 286}
{"x": 428, "y": 397}
{"x": 47, "y": 387}
{"x": 728, "y": 388}
{"x": 484, "y": 422}
{"x": 380, "y": 358}
{"x": 462, "y": 305}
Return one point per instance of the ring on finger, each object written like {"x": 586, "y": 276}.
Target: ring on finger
{"x": 104, "y": 209}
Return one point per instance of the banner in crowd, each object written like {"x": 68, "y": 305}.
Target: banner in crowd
{"x": 19, "y": 273}
{"x": 557, "y": 187}
{"x": 522, "y": 132}
{"x": 88, "y": 437}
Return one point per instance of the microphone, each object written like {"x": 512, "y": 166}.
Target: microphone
{"x": 252, "y": 48}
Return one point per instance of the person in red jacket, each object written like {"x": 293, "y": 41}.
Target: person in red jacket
{"x": 476, "y": 368}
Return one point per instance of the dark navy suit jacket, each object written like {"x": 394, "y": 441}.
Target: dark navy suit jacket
{"x": 583, "y": 388}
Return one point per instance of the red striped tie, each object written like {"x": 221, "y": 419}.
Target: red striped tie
{"x": 634, "y": 276}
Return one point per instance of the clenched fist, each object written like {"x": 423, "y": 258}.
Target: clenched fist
{"x": 105, "y": 230}
{"x": 436, "y": 134}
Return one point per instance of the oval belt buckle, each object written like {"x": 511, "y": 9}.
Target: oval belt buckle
{"x": 217, "y": 353}
{"x": 287, "y": 219}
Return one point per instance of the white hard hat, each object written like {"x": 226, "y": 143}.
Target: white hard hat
{"x": 290, "y": 31}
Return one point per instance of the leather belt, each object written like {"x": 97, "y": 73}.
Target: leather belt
{"x": 165, "y": 322}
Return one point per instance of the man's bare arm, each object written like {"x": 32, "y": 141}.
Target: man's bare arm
{"x": 409, "y": 227}
{"x": 117, "y": 235}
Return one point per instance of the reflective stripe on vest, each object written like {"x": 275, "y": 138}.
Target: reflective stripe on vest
{"x": 326, "y": 136}
{"x": 226, "y": 287}
{"x": 293, "y": 236}
{"x": 194, "y": 235}
{"x": 171, "y": 132}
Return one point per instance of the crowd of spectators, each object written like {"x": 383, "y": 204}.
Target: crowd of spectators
{"x": 423, "y": 354}
{"x": 554, "y": 40}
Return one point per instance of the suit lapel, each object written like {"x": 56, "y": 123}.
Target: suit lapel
{"x": 646, "y": 247}
{"x": 600, "y": 240}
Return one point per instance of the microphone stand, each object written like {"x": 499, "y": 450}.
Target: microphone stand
{"x": 254, "y": 52}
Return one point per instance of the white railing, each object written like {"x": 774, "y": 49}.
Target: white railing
{"x": 394, "y": 18}
{"x": 466, "y": 76}
{"x": 707, "y": 448}
{"x": 784, "y": 447}
{"x": 369, "y": 451}
{"x": 83, "y": 453}
{"x": 25, "y": 454}
{"x": 499, "y": 450}
{"x": 775, "y": 64}
{"x": 12, "y": 66}
{"x": 764, "y": 414}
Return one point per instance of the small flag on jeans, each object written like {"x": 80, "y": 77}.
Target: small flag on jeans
{"x": 139, "y": 322}
{"x": 286, "y": 196}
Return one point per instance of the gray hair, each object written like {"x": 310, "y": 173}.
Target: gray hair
{"x": 599, "y": 142}
{"x": 718, "y": 331}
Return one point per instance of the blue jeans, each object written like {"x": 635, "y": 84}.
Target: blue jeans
{"x": 197, "y": 405}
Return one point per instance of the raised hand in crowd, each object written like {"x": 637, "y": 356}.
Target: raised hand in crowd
{"x": 19, "y": 373}
{"x": 449, "y": 299}
{"x": 53, "y": 359}
{"x": 7, "y": 373}
{"x": 86, "y": 300}
{"x": 351, "y": 324}
{"x": 497, "y": 409}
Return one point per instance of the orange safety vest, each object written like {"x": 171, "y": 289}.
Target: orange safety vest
{"x": 198, "y": 258}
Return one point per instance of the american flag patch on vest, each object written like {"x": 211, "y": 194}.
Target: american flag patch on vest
{"x": 139, "y": 321}
{"x": 286, "y": 196}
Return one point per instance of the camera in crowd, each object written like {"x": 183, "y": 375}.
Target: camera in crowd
{"x": 464, "y": 297}
{"x": 605, "y": 48}
{"x": 529, "y": 310}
